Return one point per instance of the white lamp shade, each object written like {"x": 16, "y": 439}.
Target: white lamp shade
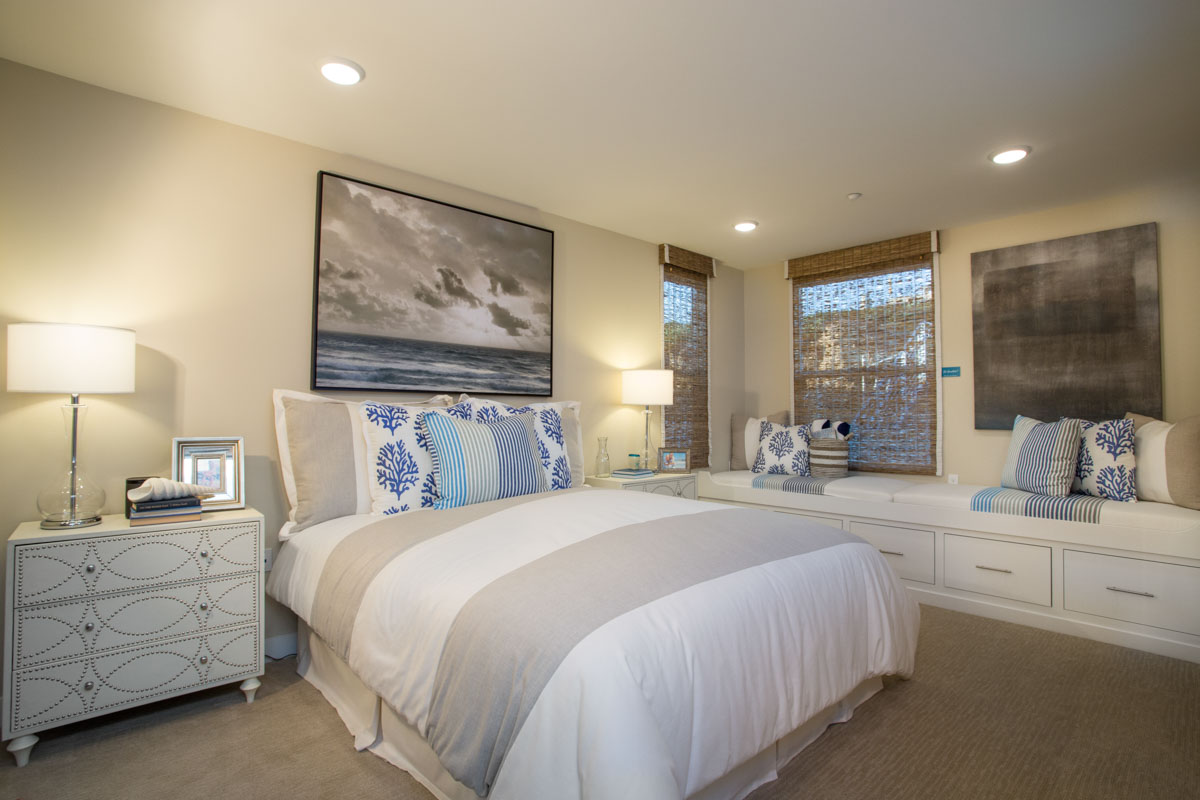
{"x": 70, "y": 359}
{"x": 648, "y": 387}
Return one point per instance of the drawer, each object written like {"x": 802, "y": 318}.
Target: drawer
{"x": 54, "y": 571}
{"x": 910, "y": 551}
{"x": 56, "y": 631}
{"x": 1133, "y": 590}
{"x": 1000, "y": 569}
{"x": 64, "y": 691}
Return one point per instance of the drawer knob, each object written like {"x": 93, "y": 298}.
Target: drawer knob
{"x": 203, "y": 659}
{"x": 204, "y": 606}
{"x": 87, "y": 687}
{"x": 89, "y": 626}
{"x": 892, "y": 553}
{"x": 994, "y": 569}
{"x": 1128, "y": 591}
{"x": 90, "y": 568}
{"x": 204, "y": 554}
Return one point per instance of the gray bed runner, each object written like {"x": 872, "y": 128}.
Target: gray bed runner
{"x": 510, "y": 637}
{"x": 362, "y": 555}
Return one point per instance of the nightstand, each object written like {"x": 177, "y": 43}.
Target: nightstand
{"x": 674, "y": 484}
{"x": 112, "y": 616}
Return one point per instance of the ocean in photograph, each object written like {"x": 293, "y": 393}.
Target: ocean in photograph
{"x": 360, "y": 361}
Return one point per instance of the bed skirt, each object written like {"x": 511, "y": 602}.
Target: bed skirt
{"x": 377, "y": 728}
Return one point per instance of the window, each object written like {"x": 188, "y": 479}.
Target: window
{"x": 864, "y": 350}
{"x": 685, "y": 350}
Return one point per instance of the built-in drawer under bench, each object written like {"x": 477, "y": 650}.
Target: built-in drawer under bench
{"x": 910, "y": 551}
{"x": 1001, "y": 569}
{"x": 1137, "y": 590}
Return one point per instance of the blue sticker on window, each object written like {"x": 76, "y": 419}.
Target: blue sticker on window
{"x": 951, "y": 372}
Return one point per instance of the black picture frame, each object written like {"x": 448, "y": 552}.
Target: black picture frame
{"x": 412, "y": 294}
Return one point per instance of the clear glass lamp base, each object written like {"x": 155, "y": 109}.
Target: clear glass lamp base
{"x": 58, "y": 511}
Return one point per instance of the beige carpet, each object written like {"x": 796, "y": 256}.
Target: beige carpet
{"x": 994, "y": 711}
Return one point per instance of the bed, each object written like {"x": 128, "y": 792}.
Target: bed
{"x": 591, "y": 643}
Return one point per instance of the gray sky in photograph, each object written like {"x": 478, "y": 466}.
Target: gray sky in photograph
{"x": 401, "y": 266}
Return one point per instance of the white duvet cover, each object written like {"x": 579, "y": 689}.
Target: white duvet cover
{"x": 658, "y": 702}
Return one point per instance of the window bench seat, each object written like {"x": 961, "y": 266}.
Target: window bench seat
{"x": 1132, "y": 579}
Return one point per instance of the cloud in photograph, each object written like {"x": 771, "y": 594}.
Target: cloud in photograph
{"x": 412, "y": 268}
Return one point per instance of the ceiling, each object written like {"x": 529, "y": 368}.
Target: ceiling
{"x": 669, "y": 120}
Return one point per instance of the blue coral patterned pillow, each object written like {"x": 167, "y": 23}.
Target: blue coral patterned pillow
{"x": 399, "y": 461}
{"x": 1106, "y": 463}
{"x": 474, "y": 462}
{"x": 782, "y": 449}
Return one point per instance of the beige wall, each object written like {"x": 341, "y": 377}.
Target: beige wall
{"x": 978, "y": 456}
{"x": 199, "y": 235}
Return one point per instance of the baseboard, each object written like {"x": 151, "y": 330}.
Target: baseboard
{"x": 282, "y": 646}
{"x": 1128, "y": 635}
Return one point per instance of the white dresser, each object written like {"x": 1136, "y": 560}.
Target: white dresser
{"x": 113, "y": 616}
{"x": 674, "y": 484}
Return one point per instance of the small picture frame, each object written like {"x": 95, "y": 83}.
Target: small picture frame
{"x": 215, "y": 462}
{"x": 672, "y": 460}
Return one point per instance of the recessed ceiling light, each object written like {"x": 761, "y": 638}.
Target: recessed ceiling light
{"x": 854, "y": 195}
{"x": 745, "y": 227}
{"x": 1010, "y": 156}
{"x": 342, "y": 71}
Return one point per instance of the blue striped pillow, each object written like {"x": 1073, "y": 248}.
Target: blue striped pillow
{"x": 1042, "y": 456}
{"x": 474, "y": 462}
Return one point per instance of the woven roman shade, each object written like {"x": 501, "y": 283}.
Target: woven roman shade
{"x": 864, "y": 350}
{"x": 866, "y": 259}
{"x": 686, "y": 259}
{"x": 685, "y": 350}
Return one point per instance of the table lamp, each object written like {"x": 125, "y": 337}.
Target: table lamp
{"x": 648, "y": 387}
{"x": 55, "y": 358}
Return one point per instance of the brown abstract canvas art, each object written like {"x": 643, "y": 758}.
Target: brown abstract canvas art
{"x": 1068, "y": 327}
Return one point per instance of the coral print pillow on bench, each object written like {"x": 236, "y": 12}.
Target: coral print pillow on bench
{"x": 782, "y": 449}
{"x": 1106, "y": 462}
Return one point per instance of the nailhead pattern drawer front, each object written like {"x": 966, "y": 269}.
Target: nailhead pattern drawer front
{"x": 56, "y": 571}
{"x": 1133, "y": 590}
{"x": 1011, "y": 570}
{"x": 70, "y": 690}
{"x": 54, "y": 631}
{"x": 910, "y": 551}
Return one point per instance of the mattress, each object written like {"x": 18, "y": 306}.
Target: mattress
{"x": 662, "y": 698}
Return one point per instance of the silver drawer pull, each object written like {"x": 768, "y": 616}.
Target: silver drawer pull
{"x": 892, "y": 553}
{"x": 1128, "y": 591}
{"x": 994, "y": 569}
{"x": 87, "y": 687}
{"x": 90, "y": 568}
{"x": 203, "y": 659}
{"x": 204, "y": 554}
{"x": 204, "y": 606}
{"x": 89, "y": 627}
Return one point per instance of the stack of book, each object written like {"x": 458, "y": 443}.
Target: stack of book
{"x": 630, "y": 472}
{"x": 155, "y": 512}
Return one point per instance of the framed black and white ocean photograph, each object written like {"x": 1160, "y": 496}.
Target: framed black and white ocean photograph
{"x": 412, "y": 294}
